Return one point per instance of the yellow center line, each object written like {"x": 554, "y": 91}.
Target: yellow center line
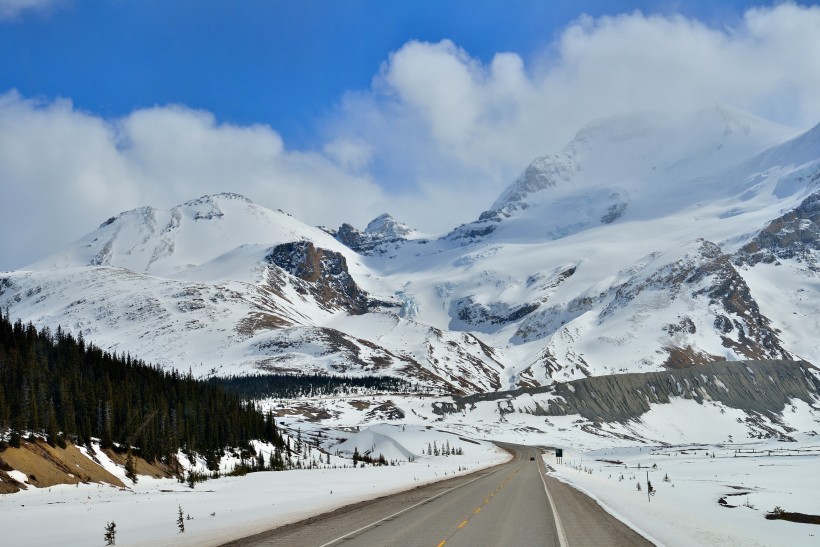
{"x": 478, "y": 509}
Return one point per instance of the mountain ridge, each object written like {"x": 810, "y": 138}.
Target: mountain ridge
{"x": 578, "y": 269}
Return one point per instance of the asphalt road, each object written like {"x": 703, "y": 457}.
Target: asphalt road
{"x": 511, "y": 504}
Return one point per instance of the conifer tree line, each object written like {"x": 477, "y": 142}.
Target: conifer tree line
{"x": 63, "y": 388}
{"x": 289, "y": 386}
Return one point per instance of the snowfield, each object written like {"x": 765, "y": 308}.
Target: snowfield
{"x": 751, "y": 478}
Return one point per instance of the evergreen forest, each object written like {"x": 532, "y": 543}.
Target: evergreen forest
{"x": 289, "y": 386}
{"x": 62, "y": 388}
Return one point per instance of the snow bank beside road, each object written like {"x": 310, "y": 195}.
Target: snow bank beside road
{"x": 751, "y": 478}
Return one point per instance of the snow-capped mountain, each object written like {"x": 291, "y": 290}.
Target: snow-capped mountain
{"x": 650, "y": 241}
{"x": 381, "y": 235}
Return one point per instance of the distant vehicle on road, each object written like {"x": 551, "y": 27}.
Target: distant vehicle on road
{"x": 532, "y": 458}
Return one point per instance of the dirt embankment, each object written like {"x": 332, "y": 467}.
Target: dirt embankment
{"x": 44, "y": 466}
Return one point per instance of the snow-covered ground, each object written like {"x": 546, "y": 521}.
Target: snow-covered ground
{"x": 232, "y": 507}
{"x": 752, "y": 479}
{"x": 745, "y": 470}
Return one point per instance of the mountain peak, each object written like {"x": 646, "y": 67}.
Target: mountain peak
{"x": 645, "y": 149}
{"x": 636, "y": 165}
{"x": 213, "y": 198}
{"x": 381, "y": 232}
{"x": 388, "y": 227}
{"x": 544, "y": 172}
{"x": 168, "y": 242}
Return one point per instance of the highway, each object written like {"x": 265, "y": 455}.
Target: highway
{"x": 511, "y": 504}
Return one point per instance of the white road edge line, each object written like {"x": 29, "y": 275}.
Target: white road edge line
{"x": 559, "y": 528}
{"x": 422, "y": 502}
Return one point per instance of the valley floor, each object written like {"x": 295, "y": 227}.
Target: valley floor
{"x": 751, "y": 477}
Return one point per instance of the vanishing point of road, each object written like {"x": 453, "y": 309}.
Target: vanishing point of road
{"x": 510, "y": 504}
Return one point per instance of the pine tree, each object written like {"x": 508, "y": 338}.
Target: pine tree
{"x": 34, "y": 415}
{"x": 110, "y": 535}
{"x": 181, "y": 520}
{"x": 130, "y": 467}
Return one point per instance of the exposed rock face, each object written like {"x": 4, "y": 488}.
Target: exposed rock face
{"x": 762, "y": 387}
{"x": 614, "y": 212}
{"x": 496, "y": 314}
{"x": 792, "y": 236}
{"x": 755, "y": 338}
{"x": 477, "y": 230}
{"x": 707, "y": 272}
{"x": 352, "y": 237}
{"x": 325, "y": 275}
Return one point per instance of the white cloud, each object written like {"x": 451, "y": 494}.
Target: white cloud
{"x": 12, "y": 8}
{"x": 351, "y": 154}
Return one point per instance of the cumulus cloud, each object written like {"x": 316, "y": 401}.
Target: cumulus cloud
{"x": 65, "y": 171}
{"x": 10, "y": 9}
{"x": 352, "y": 154}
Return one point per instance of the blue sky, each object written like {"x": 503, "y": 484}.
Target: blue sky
{"x": 338, "y": 111}
{"x": 285, "y": 64}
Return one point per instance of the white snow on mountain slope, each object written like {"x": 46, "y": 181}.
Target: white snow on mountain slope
{"x": 638, "y": 166}
{"x": 682, "y": 183}
{"x": 792, "y": 289}
{"x": 473, "y": 365}
{"x": 177, "y": 324}
{"x": 198, "y": 240}
{"x": 614, "y": 255}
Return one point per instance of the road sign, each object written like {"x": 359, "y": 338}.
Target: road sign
{"x": 559, "y": 452}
